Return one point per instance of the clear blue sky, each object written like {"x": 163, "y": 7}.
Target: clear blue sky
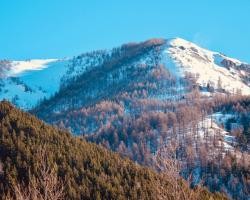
{"x": 59, "y": 28}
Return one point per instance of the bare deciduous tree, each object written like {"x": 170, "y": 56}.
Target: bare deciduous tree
{"x": 170, "y": 166}
{"x": 47, "y": 186}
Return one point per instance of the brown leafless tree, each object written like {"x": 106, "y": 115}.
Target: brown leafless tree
{"x": 47, "y": 186}
{"x": 170, "y": 166}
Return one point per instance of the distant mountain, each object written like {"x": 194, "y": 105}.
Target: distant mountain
{"x": 26, "y": 83}
{"x": 88, "y": 171}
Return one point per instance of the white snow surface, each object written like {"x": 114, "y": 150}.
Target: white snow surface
{"x": 19, "y": 67}
{"x": 206, "y": 64}
{"x": 28, "y": 82}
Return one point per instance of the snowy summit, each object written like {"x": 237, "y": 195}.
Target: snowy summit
{"x": 26, "y": 83}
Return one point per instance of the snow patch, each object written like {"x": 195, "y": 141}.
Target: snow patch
{"x": 19, "y": 67}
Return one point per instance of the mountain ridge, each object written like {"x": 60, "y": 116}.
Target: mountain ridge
{"x": 25, "y": 85}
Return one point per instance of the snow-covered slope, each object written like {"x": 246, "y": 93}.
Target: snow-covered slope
{"x": 28, "y": 82}
{"x": 25, "y": 83}
{"x": 212, "y": 68}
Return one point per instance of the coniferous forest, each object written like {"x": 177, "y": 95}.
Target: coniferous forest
{"x": 37, "y": 159}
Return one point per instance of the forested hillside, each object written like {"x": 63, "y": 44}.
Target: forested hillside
{"x": 139, "y": 101}
{"x": 84, "y": 170}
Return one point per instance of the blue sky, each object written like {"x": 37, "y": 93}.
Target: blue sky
{"x": 59, "y": 28}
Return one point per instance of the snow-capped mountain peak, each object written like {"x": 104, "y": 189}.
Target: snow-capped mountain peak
{"x": 212, "y": 68}
{"x": 26, "y": 83}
